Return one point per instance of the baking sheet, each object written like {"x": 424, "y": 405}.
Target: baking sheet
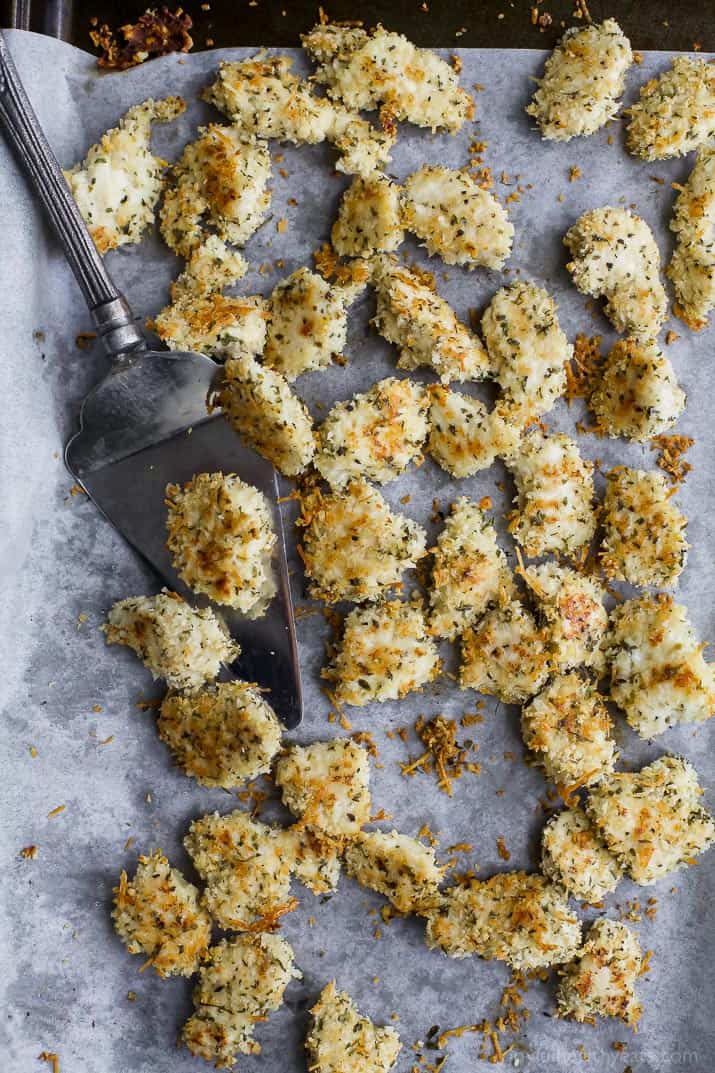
{"x": 65, "y": 974}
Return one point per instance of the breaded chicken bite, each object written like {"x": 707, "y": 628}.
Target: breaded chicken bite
{"x": 210, "y": 268}
{"x": 220, "y": 185}
{"x": 157, "y": 914}
{"x": 505, "y": 655}
{"x": 263, "y": 98}
{"x": 374, "y": 435}
{"x": 692, "y": 267}
{"x": 184, "y": 645}
{"x": 554, "y": 495}
{"x": 327, "y": 786}
{"x": 675, "y": 113}
{"x": 364, "y": 149}
{"x": 245, "y": 979}
{"x": 220, "y": 535}
{"x": 424, "y": 327}
{"x": 568, "y": 729}
{"x": 652, "y": 820}
{"x": 522, "y": 919}
{"x": 614, "y": 256}
{"x": 222, "y": 736}
{"x": 266, "y": 413}
{"x": 315, "y": 857}
{"x": 308, "y": 324}
{"x": 246, "y": 868}
{"x": 469, "y": 571}
{"x": 384, "y": 653}
{"x": 658, "y": 674}
{"x": 527, "y": 348}
{"x": 213, "y": 323}
{"x": 369, "y": 219}
{"x": 354, "y": 547}
{"x": 118, "y": 183}
{"x": 636, "y": 394}
{"x": 571, "y": 606}
{"x": 400, "y": 867}
{"x": 340, "y": 1040}
{"x": 583, "y": 78}
{"x": 601, "y": 981}
{"x": 643, "y": 538}
{"x": 456, "y": 218}
{"x": 465, "y": 437}
{"x": 574, "y": 856}
{"x": 384, "y": 70}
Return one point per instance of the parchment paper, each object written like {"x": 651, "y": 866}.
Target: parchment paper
{"x": 66, "y": 976}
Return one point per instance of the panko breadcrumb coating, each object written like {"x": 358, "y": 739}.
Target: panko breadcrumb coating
{"x": 219, "y": 184}
{"x": 327, "y": 785}
{"x": 658, "y": 674}
{"x": 374, "y": 435}
{"x": 424, "y": 327}
{"x": 384, "y": 70}
{"x": 614, "y": 256}
{"x": 184, "y": 645}
{"x": 212, "y": 323}
{"x": 118, "y": 183}
{"x": 571, "y": 605}
{"x": 675, "y": 113}
{"x": 568, "y": 729}
{"x": 527, "y": 348}
{"x": 246, "y": 868}
{"x": 583, "y": 78}
{"x": 574, "y": 856}
{"x": 266, "y": 413}
{"x": 400, "y": 867}
{"x": 636, "y": 394}
{"x": 245, "y": 979}
{"x": 222, "y": 736}
{"x": 354, "y": 547}
{"x": 652, "y": 819}
{"x": 369, "y": 219}
{"x": 262, "y": 97}
{"x": 469, "y": 571}
{"x": 465, "y": 437}
{"x": 555, "y": 496}
{"x": 692, "y": 267}
{"x": 221, "y": 538}
{"x": 308, "y": 324}
{"x": 505, "y": 654}
{"x": 157, "y": 914}
{"x": 340, "y": 1040}
{"x": 515, "y": 917}
{"x": 643, "y": 538}
{"x": 384, "y": 653}
{"x": 601, "y": 981}
{"x": 456, "y": 218}
{"x": 211, "y": 266}
{"x": 315, "y": 857}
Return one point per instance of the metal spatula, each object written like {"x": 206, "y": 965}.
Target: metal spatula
{"x": 146, "y": 425}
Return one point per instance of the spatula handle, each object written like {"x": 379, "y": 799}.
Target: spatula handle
{"x": 111, "y": 314}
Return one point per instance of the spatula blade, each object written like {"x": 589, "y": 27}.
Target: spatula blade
{"x": 132, "y": 444}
